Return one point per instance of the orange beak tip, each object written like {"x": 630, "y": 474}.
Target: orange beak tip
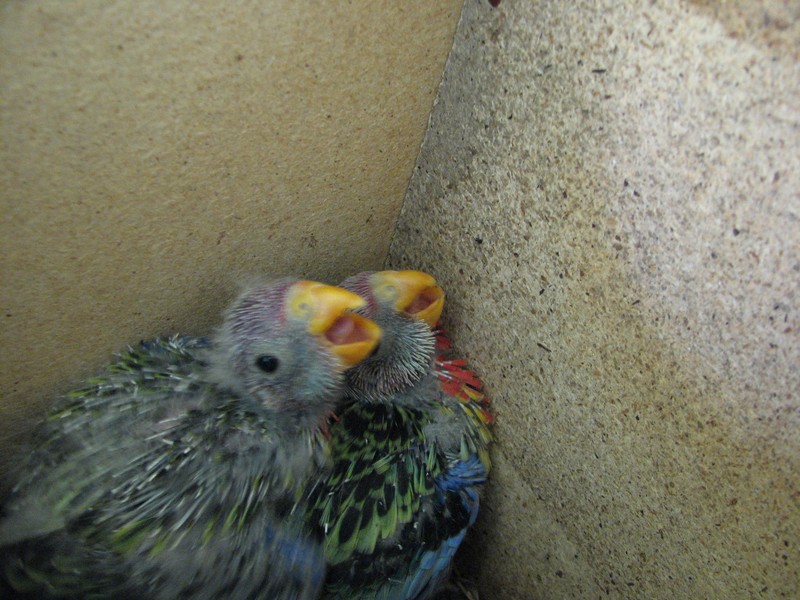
{"x": 353, "y": 338}
{"x": 431, "y": 301}
{"x": 417, "y": 294}
{"x": 326, "y": 304}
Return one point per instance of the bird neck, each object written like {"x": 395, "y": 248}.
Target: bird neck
{"x": 401, "y": 371}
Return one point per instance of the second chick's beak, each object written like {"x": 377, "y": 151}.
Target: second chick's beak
{"x": 416, "y": 294}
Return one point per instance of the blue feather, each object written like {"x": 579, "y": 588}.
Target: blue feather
{"x": 410, "y": 454}
{"x": 434, "y": 565}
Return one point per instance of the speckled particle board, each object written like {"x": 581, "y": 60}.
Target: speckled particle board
{"x": 608, "y": 191}
{"x": 152, "y": 154}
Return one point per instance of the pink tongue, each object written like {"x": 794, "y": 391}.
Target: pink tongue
{"x": 421, "y": 302}
{"x": 341, "y": 331}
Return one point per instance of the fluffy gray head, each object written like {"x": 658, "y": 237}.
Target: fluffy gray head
{"x": 264, "y": 351}
{"x": 401, "y": 369}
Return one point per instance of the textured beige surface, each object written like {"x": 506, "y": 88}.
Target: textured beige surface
{"x": 153, "y": 154}
{"x": 609, "y": 194}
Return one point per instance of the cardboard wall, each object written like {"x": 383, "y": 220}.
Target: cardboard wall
{"x": 608, "y": 192}
{"x": 155, "y": 154}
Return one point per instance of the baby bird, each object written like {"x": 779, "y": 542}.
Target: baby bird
{"x": 175, "y": 472}
{"x": 410, "y": 451}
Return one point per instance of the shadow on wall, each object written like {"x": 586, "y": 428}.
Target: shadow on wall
{"x": 602, "y": 196}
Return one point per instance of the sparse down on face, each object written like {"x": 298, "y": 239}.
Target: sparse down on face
{"x": 404, "y": 304}
{"x": 288, "y": 344}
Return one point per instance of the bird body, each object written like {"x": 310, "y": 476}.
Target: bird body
{"x": 409, "y": 448}
{"x": 176, "y": 471}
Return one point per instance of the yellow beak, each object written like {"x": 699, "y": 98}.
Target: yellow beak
{"x": 327, "y": 310}
{"x": 417, "y": 294}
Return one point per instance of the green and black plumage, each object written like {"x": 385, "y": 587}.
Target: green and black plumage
{"x": 393, "y": 511}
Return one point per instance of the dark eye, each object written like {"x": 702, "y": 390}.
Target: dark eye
{"x": 267, "y": 363}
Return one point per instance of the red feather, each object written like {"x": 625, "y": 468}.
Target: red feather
{"x": 456, "y": 377}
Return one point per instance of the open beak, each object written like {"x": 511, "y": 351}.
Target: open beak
{"x": 351, "y": 336}
{"x": 418, "y": 294}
